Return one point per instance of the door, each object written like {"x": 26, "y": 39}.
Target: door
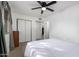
{"x": 38, "y": 30}
{"x": 25, "y": 30}
{"x": 28, "y": 30}
{"x": 21, "y": 29}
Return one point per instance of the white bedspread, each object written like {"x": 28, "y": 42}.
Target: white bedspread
{"x": 51, "y": 48}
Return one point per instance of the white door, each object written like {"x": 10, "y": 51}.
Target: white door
{"x": 38, "y": 30}
{"x": 21, "y": 28}
{"x": 25, "y": 32}
{"x": 28, "y": 30}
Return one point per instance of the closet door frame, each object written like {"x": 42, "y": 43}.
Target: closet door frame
{"x": 25, "y": 26}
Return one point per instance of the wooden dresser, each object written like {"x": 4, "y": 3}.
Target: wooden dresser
{"x": 16, "y": 38}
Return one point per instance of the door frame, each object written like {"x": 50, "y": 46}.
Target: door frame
{"x": 25, "y": 26}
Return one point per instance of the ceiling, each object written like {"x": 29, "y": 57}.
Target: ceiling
{"x": 24, "y": 7}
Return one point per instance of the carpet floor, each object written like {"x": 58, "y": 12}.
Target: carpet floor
{"x": 19, "y": 51}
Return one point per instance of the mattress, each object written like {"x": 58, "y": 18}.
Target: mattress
{"x": 51, "y": 48}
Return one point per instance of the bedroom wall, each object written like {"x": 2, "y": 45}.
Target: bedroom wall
{"x": 65, "y": 25}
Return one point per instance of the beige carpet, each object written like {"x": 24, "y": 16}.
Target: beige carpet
{"x": 19, "y": 51}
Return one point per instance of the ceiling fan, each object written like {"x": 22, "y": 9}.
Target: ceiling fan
{"x": 44, "y": 6}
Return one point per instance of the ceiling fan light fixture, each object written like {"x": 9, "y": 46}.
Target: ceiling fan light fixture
{"x": 43, "y": 8}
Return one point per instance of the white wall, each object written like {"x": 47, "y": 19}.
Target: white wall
{"x": 65, "y": 24}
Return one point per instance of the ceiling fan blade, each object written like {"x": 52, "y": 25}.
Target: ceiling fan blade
{"x": 50, "y": 9}
{"x": 53, "y": 2}
{"x": 40, "y": 2}
{"x": 36, "y": 8}
{"x": 42, "y": 11}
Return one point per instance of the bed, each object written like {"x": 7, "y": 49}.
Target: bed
{"x": 51, "y": 48}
